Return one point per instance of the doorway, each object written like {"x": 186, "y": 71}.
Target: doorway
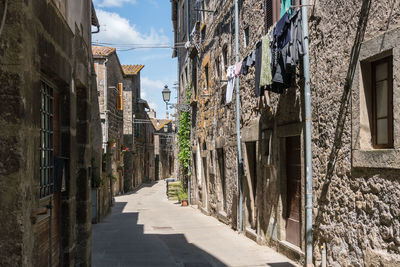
{"x": 293, "y": 190}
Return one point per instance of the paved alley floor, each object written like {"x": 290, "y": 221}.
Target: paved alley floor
{"x": 145, "y": 229}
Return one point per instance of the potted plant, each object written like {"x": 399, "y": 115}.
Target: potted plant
{"x": 111, "y": 142}
{"x": 183, "y": 197}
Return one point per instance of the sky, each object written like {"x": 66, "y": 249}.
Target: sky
{"x": 143, "y": 22}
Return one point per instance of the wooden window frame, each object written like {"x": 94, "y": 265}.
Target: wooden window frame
{"x": 120, "y": 101}
{"x": 389, "y": 117}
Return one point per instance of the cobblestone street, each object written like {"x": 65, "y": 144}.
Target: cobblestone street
{"x": 145, "y": 229}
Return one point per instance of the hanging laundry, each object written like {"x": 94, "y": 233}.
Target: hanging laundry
{"x": 230, "y": 75}
{"x": 296, "y": 44}
{"x": 266, "y": 74}
{"x": 248, "y": 62}
{"x": 282, "y": 32}
{"x": 281, "y": 76}
{"x": 258, "y": 52}
{"x": 238, "y": 69}
{"x": 245, "y": 68}
{"x": 285, "y": 7}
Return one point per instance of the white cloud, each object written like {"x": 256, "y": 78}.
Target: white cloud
{"x": 153, "y": 105}
{"x": 113, "y": 3}
{"x": 151, "y": 86}
{"x": 118, "y": 30}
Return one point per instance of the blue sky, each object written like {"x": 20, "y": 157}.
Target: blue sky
{"x": 143, "y": 22}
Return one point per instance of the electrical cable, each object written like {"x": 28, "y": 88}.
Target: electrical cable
{"x": 3, "y": 21}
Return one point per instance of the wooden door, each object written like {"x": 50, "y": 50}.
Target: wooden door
{"x": 293, "y": 193}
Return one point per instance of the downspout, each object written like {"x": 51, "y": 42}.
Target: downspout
{"x": 50, "y": 207}
{"x": 238, "y": 137}
{"x": 106, "y": 122}
{"x": 308, "y": 132}
{"x": 188, "y": 58}
{"x": 105, "y": 105}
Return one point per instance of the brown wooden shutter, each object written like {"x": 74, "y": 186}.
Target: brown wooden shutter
{"x": 120, "y": 102}
{"x": 268, "y": 16}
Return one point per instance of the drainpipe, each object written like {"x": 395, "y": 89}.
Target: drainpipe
{"x": 187, "y": 78}
{"x": 238, "y": 137}
{"x": 105, "y": 104}
{"x": 308, "y": 132}
{"x": 50, "y": 207}
{"x": 106, "y": 122}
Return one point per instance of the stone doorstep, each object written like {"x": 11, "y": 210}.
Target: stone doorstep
{"x": 222, "y": 217}
{"x": 289, "y": 250}
{"x": 250, "y": 233}
{"x": 204, "y": 211}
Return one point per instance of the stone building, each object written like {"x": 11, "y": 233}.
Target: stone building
{"x": 131, "y": 96}
{"x": 46, "y": 89}
{"x": 110, "y": 99}
{"x": 354, "y": 53}
{"x": 164, "y": 137}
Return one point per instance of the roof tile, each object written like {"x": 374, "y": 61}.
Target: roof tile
{"x": 132, "y": 69}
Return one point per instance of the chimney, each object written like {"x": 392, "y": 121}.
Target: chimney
{"x": 152, "y": 114}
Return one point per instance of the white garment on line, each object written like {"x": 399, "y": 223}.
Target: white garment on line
{"x": 230, "y": 75}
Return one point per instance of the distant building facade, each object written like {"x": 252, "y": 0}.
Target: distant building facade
{"x": 164, "y": 137}
{"x": 355, "y": 88}
{"x": 110, "y": 99}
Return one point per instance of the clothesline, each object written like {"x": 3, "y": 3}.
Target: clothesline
{"x": 275, "y": 57}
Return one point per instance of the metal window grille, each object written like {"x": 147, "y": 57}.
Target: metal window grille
{"x": 46, "y": 140}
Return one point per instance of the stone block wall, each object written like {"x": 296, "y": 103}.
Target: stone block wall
{"x": 354, "y": 212}
{"x": 37, "y": 45}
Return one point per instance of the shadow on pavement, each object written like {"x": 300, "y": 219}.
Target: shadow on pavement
{"x": 121, "y": 241}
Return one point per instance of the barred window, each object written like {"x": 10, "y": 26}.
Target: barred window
{"x": 46, "y": 140}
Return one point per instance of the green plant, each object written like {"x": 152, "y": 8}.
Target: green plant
{"x": 184, "y": 136}
{"x": 120, "y": 168}
{"x": 113, "y": 178}
{"x": 182, "y": 194}
{"x": 97, "y": 182}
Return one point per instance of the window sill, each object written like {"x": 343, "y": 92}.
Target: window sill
{"x": 377, "y": 158}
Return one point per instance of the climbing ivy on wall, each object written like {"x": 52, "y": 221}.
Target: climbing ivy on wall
{"x": 184, "y": 135}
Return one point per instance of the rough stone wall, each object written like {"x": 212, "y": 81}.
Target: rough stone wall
{"x": 354, "y": 211}
{"x": 36, "y": 43}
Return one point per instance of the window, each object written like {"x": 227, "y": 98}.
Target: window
{"x": 272, "y": 10}
{"x": 218, "y": 67}
{"x": 203, "y": 32}
{"x": 246, "y": 37}
{"x": 120, "y": 93}
{"x": 382, "y": 103}
{"x": 46, "y": 140}
{"x": 225, "y": 57}
{"x": 194, "y": 75}
{"x": 206, "y": 72}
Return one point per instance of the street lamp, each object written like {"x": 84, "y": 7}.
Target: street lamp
{"x": 166, "y": 93}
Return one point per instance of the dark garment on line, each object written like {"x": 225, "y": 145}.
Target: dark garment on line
{"x": 245, "y": 68}
{"x": 281, "y": 70}
{"x": 282, "y": 32}
{"x": 296, "y": 44}
{"x": 258, "y": 54}
{"x": 248, "y": 62}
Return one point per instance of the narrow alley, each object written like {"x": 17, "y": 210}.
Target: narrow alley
{"x": 146, "y": 229}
